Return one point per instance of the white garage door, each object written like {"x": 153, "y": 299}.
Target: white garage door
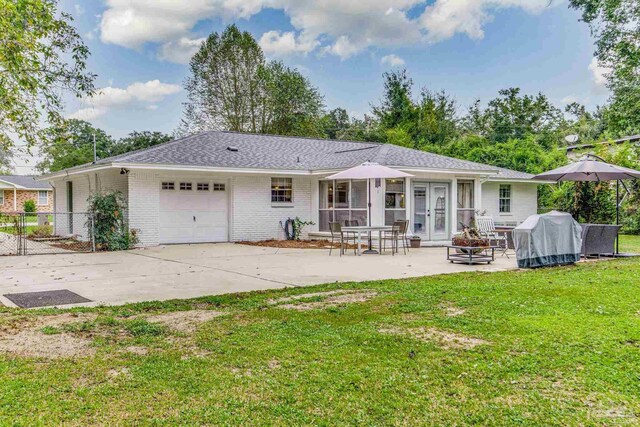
{"x": 192, "y": 212}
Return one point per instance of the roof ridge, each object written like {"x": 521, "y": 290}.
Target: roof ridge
{"x": 152, "y": 148}
{"x": 297, "y": 137}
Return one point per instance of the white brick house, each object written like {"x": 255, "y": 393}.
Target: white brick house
{"x": 224, "y": 186}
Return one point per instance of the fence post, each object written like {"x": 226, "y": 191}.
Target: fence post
{"x": 93, "y": 233}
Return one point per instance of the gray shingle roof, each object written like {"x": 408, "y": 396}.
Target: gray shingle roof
{"x": 26, "y": 181}
{"x": 209, "y": 149}
{"x": 511, "y": 174}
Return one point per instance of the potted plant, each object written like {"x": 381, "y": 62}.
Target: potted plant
{"x": 470, "y": 237}
{"x": 414, "y": 241}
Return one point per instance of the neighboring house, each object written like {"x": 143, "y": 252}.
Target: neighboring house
{"x": 575, "y": 152}
{"x": 17, "y": 189}
{"x": 225, "y": 186}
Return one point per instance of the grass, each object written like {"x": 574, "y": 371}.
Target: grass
{"x": 630, "y": 244}
{"x": 563, "y": 349}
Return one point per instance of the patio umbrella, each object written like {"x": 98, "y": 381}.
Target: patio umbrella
{"x": 369, "y": 171}
{"x": 592, "y": 171}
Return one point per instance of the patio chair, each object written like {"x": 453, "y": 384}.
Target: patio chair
{"x": 487, "y": 228}
{"x": 338, "y": 235}
{"x": 397, "y": 234}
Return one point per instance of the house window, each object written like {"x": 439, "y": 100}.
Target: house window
{"x": 43, "y": 198}
{"x": 394, "y": 201}
{"x": 466, "y": 211}
{"x": 168, "y": 186}
{"x": 281, "y": 190}
{"x": 505, "y": 198}
{"x": 342, "y": 201}
{"x": 186, "y": 186}
{"x": 1, "y": 197}
{"x": 202, "y": 186}
{"x": 218, "y": 187}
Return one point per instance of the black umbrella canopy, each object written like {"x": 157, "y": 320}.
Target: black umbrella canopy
{"x": 589, "y": 170}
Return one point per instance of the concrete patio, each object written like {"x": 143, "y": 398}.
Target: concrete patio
{"x": 186, "y": 271}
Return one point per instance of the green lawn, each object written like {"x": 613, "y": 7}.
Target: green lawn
{"x": 560, "y": 346}
{"x": 630, "y": 244}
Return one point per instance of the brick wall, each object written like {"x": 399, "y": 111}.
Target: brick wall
{"x": 254, "y": 217}
{"x": 21, "y": 197}
{"x": 524, "y": 201}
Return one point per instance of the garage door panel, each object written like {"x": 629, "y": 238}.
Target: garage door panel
{"x": 178, "y": 209}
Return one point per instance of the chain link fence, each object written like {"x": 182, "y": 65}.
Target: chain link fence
{"x": 23, "y": 233}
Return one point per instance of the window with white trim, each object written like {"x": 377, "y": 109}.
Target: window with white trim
{"x": 281, "y": 190}
{"x": 43, "y": 198}
{"x": 505, "y": 198}
{"x": 186, "y": 186}
{"x": 168, "y": 185}
{"x": 394, "y": 201}
{"x": 202, "y": 186}
{"x": 218, "y": 187}
{"x": 1, "y": 197}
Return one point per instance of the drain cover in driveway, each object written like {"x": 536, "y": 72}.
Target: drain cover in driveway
{"x": 45, "y": 299}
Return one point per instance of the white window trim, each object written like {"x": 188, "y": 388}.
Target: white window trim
{"x": 284, "y": 203}
{"x": 46, "y": 197}
{"x": 510, "y": 198}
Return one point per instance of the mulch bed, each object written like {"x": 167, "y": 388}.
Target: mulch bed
{"x": 297, "y": 244}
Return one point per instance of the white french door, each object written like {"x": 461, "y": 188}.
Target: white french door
{"x": 430, "y": 210}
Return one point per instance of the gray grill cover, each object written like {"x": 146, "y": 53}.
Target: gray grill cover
{"x": 554, "y": 238}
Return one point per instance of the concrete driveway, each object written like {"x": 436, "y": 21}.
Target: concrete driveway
{"x": 186, "y": 271}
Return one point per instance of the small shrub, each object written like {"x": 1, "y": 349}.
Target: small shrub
{"x": 41, "y": 231}
{"x": 298, "y": 225}
{"x": 110, "y": 229}
{"x": 29, "y": 206}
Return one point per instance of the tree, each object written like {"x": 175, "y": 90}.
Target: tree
{"x": 335, "y": 123}
{"x": 397, "y": 108}
{"x": 41, "y": 57}
{"x": 232, "y": 87}
{"x": 6, "y": 158}
{"x": 72, "y": 145}
{"x": 615, "y": 24}
{"x": 437, "y": 123}
{"x": 225, "y": 88}
{"x": 137, "y": 141}
{"x": 292, "y": 106}
{"x": 514, "y": 116}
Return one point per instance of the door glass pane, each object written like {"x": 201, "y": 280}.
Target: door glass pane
{"x": 440, "y": 209}
{"x": 358, "y": 194}
{"x": 420, "y": 210}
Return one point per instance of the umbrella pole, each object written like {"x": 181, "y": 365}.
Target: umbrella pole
{"x": 370, "y": 250}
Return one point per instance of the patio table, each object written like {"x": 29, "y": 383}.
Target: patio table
{"x": 368, "y": 229}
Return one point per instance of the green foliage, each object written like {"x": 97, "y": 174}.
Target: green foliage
{"x": 29, "y": 206}
{"x": 335, "y": 123}
{"x": 110, "y": 229}
{"x": 615, "y": 25}
{"x": 42, "y": 57}
{"x": 72, "y": 144}
{"x": 298, "y": 226}
{"x": 41, "y": 231}
{"x": 138, "y": 141}
{"x": 232, "y": 87}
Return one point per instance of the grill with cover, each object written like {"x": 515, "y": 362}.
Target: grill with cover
{"x": 554, "y": 238}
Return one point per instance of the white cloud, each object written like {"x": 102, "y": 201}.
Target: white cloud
{"x": 180, "y": 51}
{"x": 133, "y": 96}
{"x": 599, "y": 73}
{"x": 392, "y": 60}
{"x": 339, "y": 27}
{"x": 276, "y": 43}
{"x": 569, "y": 99}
